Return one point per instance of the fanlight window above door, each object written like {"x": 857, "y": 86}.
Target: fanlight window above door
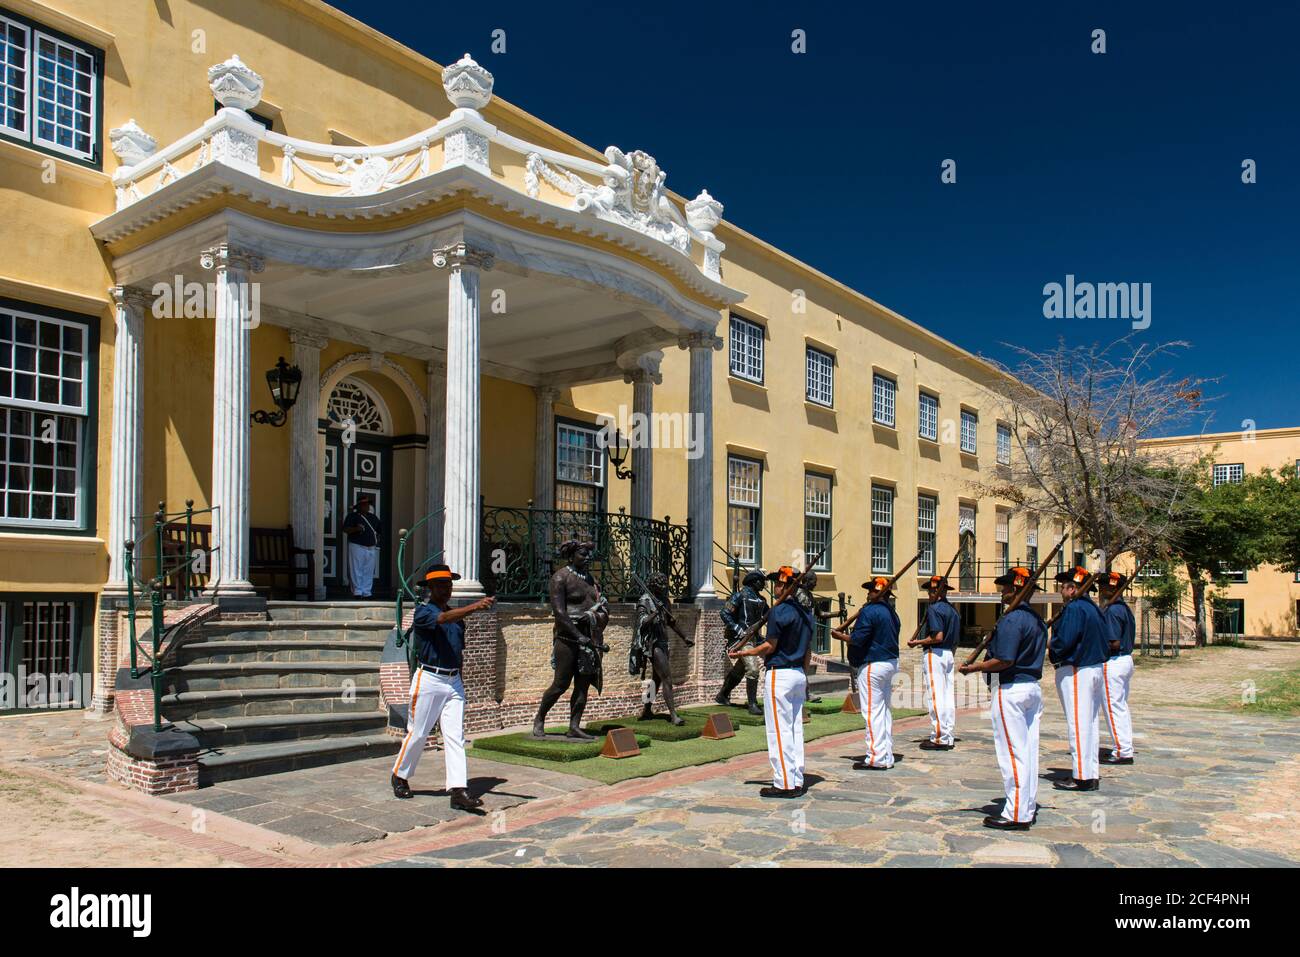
{"x": 351, "y": 400}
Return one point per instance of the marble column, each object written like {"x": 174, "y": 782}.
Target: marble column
{"x": 644, "y": 377}
{"x": 437, "y": 457}
{"x": 126, "y": 496}
{"x": 544, "y": 451}
{"x": 235, "y": 319}
{"x": 461, "y": 534}
{"x": 699, "y": 466}
{"x": 304, "y": 458}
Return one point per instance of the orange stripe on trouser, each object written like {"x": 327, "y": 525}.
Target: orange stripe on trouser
{"x": 934, "y": 697}
{"x": 776, "y": 724}
{"x": 1110, "y": 717}
{"x": 1015, "y": 774}
{"x": 871, "y": 737}
{"x": 410, "y": 721}
{"x": 1078, "y": 741}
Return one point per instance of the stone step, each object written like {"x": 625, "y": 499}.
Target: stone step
{"x": 299, "y": 630}
{"x": 329, "y": 611}
{"x": 824, "y": 684}
{"x": 222, "y": 733}
{"x": 270, "y": 674}
{"x": 248, "y": 760}
{"x": 227, "y": 651}
{"x": 331, "y": 699}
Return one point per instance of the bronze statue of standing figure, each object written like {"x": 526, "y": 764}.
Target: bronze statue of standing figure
{"x": 581, "y": 614}
{"x": 650, "y": 644}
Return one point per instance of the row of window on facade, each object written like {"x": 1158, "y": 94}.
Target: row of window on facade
{"x": 746, "y": 356}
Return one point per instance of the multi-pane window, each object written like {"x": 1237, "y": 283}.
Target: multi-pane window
{"x": 821, "y": 377}
{"x": 746, "y": 349}
{"x": 882, "y": 399}
{"x": 927, "y": 513}
{"x": 1033, "y": 450}
{"x": 1224, "y": 474}
{"x": 969, "y": 423}
{"x": 1031, "y": 544}
{"x": 882, "y": 530}
{"x": 817, "y": 518}
{"x": 44, "y": 419}
{"x": 1002, "y": 538}
{"x": 579, "y": 469}
{"x": 49, "y": 90}
{"x": 1004, "y": 444}
{"x": 1232, "y": 575}
{"x": 927, "y": 413}
{"x": 744, "y": 507}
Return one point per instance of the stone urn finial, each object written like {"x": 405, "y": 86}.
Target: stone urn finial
{"x": 704, "y": 212}
{"x": 468, "y": 85}
{"x": 235, "y": 85}
{"x": 131, "y": 144}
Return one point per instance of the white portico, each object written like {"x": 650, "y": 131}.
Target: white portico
{"x": 463, "y": 247}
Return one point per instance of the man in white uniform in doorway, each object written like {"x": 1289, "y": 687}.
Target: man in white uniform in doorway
{"x": 362, "y": 530}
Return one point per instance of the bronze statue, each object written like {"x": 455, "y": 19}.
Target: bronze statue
{"x": 581, "y": 614}
{"x": 650, "y": 644}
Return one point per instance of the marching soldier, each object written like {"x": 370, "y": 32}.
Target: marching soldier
{"x": 873, "y": 656}
{"x": 741, "y": 610}
{"x": 1117, "y": 670}
{"x": 942, "y": 632}
{"x": 650, "y": 644}
{"x": 787, "y": 648}
{"x": 805, "y": 597}
{"x": 437, "y": 692}
{"x": 1015, "y": 662}
{"x": 1078, "y": 650}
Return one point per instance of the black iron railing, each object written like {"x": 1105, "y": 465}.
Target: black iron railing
{"x": 521, "y": 550}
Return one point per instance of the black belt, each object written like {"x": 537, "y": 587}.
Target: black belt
{"x": 443, "y": 672}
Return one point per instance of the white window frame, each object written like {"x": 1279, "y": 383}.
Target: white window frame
{"x": 1229, "y": 473}
{"x": 927, "y": 523}
{"x": 1004, "y": 444}
{"x": 6, "y": 23}
{"x": 884, "y": 399}
{"x": 882, "y": 529}
{"x": 753, "y": 503}
{"x": 927, "y": 416}
{"x": 819, "y": 386}
{"x": 973, "y": 420}
{"x": 599, "y": 484}
{"x": 34, "y": 34}
{"x": 814, "y": 512}
{"x": 33, "y": 119}
{"x": 34, "y": 403}
{"x": 745, "y": 340}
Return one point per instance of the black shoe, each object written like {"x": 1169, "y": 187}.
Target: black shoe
{"x": 774, "y": 792}
{"x": 754, "y": 709}
{"x": 1002, "y": 824}
{"x": 1112, "y": 760}
{"x": 722, "y": 699}
{"x": 931, "y": 746}
{"x": 401, "y": 789}
{"x": 539, "y": 729}
{"x": 816, "y": 700}
{"x": 462, "y": 800}
{"x": 867, "y": 766}
{"x": 647, "y": 713}
{"x": 578, "y": 734}
{"x": 676, "y": 720}
{"x": 1074, "y": 784}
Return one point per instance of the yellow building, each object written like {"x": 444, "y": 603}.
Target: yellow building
{"x": 465, "y": 291}
{"x": 1264, "y": 602}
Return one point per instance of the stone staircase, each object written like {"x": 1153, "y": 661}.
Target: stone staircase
{"x": 297, "y": 690}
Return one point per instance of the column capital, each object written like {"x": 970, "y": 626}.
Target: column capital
{"x": 699, "y": 340}
{"x": 460, "y": 255}
{"x": 308, "y": 340}
{"x": 133, "y": 297}
{"x": 547, "y": 393}
{"x": 226, "y": 256}
{"x": 645, "y": 368}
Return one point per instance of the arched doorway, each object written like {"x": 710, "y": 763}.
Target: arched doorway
{"x": 358, "y": 459}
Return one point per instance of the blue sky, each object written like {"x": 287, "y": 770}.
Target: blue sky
{"x": 1119, "y": 167}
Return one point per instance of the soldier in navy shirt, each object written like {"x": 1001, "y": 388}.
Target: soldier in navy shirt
{"x": 1117, "y": 669}
{"x": 942, "y": 632}
{"x": 1077, "y": 649}
{"x": 873, "y": 656}
{"x": 1015, "y": 660}
{"x": 437, "y": 691}
{"x": 786, "y": 649}
{"x": 362, "y": 530}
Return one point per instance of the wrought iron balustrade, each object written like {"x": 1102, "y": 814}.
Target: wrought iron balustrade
{"x": 521, "y": 550}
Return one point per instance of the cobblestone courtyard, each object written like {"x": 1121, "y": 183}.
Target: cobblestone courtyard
{"x": 1213, "y": 786}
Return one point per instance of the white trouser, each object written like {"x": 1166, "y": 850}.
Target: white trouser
{"x": 1081, "y": 694}
{"x": 786, "y": 689}
{"x": 937, "y": 679}
{"x": 1116, "y": 675}
{"x": 875, "y": 686}
{"x": 435, "y": 699}
{"x": 1016, "y": 709}
{"x": 363, "y": 560}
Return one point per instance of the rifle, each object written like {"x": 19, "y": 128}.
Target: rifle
{"x": 752, "y": 630}
{"x": 1087, "y": 583}
{"x": 661, "y": 610}
{"x": 1020, "y": 597}
{"x": 920, "y": 625}
{"x": 884, "y": 591}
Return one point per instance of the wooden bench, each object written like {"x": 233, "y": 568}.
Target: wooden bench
{"x": 272, "y": 559}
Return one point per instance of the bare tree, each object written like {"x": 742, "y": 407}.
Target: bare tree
{"x": 1079, "y": 416}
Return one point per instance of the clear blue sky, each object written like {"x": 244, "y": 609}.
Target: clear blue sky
{"x": 1122, "y": 167}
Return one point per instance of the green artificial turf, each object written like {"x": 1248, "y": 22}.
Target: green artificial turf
{"x": 737, "y": 714}
{"x": 668, "y": 755}
{"x": 658, "y": 728}
{"x": 548, "y": 752}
